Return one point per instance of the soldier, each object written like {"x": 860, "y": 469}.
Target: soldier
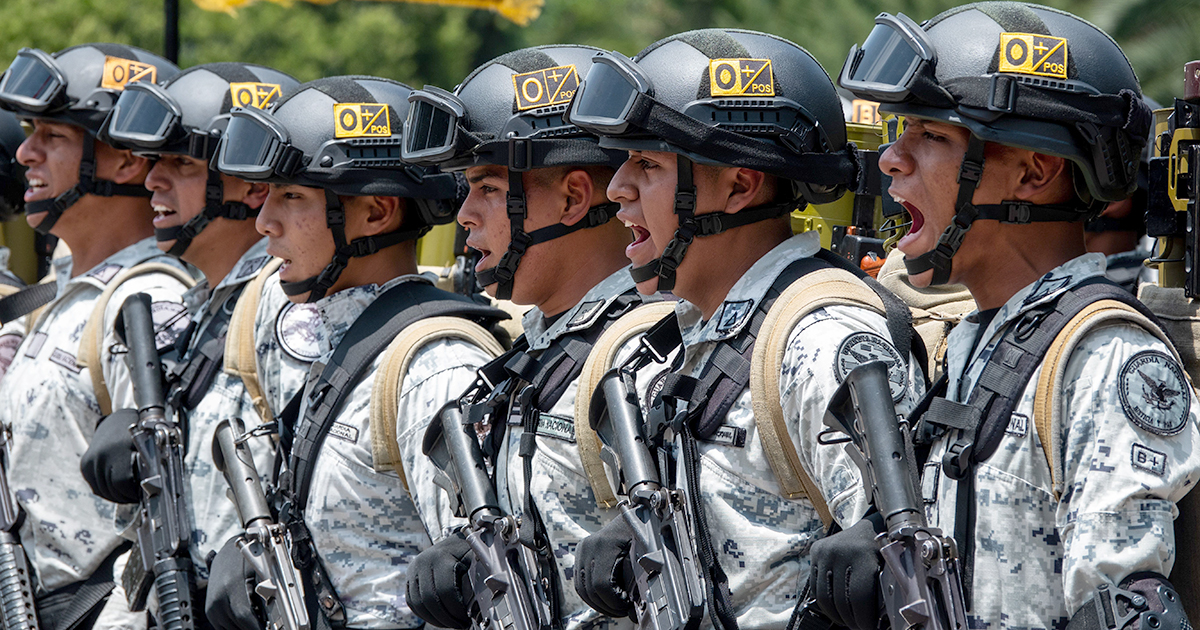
{"x": 90, "y": 195}
{"x": 344, "y": 215}
{"x": 547, "y": 237}
{"x": 12, "y": 191}
{"x": 207, "y": 220}
{"x": 1059, "y": 477}
{"x": 708, "y": 204}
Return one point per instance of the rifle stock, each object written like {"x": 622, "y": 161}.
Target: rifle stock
{"x": 263, "y": 543}
{"x": 920, "y": 582}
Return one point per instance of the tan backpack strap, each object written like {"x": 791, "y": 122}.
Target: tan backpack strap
{"x": 385, "y": 449}
{"x": 91, "y": 342}
{"x": 599, "y": 361}
{"x": 241, "y": 356}
{"x": 826, "y": 287}
{"x": 1049, "y": 387}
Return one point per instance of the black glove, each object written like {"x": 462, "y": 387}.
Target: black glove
{"x": 107, "y": 465}
{"x": 230, "y": 602}
{"x": 439, "y": 587}
{"x": 603, "y": 573}
{"x": 845, "y": 574}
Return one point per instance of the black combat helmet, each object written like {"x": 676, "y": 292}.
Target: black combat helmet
{"x": 1016, "y": 74}
{"x": 79, "y": 86}
{"x": 509, "y": 112}
{"x": 12, "y": 182}
{"x": 343, "y": 135}
{"x": 723, "y": 97}
{"x": 186, "y": 116}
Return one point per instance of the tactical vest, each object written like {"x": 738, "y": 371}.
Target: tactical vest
{"x": 326, "y": 393}
{"x": 980, "y": 423}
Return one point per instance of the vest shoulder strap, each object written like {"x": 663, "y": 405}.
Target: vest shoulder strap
{"x": 1048, "y": 397}
{"x": 17, "y": 302}
{"x": 385, "y": 449}
{"x": 241, "y": 358}
{"x": 91, "y": 342}
{"x": 600, "y": 360}
{"x": 821, "y": 288}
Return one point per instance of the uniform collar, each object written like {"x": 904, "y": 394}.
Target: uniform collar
{"x": 103, "y": 273}
{"x": 580, "y": 316}
{"x": 338, "y": 311}
{"x": 738, "y": 308}
{"x": 244, "y": 270}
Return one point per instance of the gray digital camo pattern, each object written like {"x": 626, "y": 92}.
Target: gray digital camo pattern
{"x": 48, "y": 401}
{"x": 11, "y": 333}
{"x": 1038, "y": 558}
{"x": 364, "y": 525}
{"x": 214, "y": 518}
{"x": 561, "y": 489}
{"x": 761, "y": 538}
{"x": 286, "y": 342}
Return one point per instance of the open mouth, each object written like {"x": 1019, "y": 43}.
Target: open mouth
{"x": 162, "y": 215}
{"x": 36, "y": 188}
{"x": 640, "y": 236}
{"x": 918, "y": 221}
{"x": 482, "y": 263}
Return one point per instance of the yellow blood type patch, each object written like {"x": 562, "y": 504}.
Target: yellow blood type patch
{"x": 1026, "y": 53}
{"x": 256, "y": 95}
{"x": 864, "y": 112}
{"x": 543, "y": 88}
{"x": 361, "y": 120}
{"x": 119, "y": 71}
{"x": 741, "y": 77}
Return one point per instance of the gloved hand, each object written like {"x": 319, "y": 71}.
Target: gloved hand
{"x": 230, "y": 602}
{"x": 439, "y": 586}
{"x": 845, "y": 574}
{"x": 603, "y": 573}
{"x": 107, "y": 465}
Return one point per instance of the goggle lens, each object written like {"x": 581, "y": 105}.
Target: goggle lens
{"x": 30, "y": 81}
{"x": 887, "y": 58}
{"x": 248, "y": 146}
{"x": 141, "y": 118}
{"x": 606, "y": 94}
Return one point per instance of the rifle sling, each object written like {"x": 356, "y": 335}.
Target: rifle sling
{"x": 26, "y": 301}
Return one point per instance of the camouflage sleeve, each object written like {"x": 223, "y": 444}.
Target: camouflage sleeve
{"x": 822, "y": 349}
{"x": 11, "y": 334}
{"x": 170, "y": 315}
{"x": 439, "y": 372}
{"x": 1129, "y": 453}
{"x": 286, "y": 342}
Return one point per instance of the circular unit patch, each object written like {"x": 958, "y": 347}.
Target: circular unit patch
{"x": 296, "y": 330}
{"x": 1154, "y": 393}
{"x": 170, "y": 320}
{"x": 865, "y": 347}
{"x": 8, "y": 350}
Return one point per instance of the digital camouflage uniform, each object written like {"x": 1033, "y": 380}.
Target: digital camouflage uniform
{"x": 48, "y": 400}
{"x": 761, "y": 538}
{"x": 364, "y": 525}
{"x": 286, "y": 342}
{"x": 12, "y": 332}
{"x": 562, "y": 492}
{"x": 1129, "y": 452}
{"x": 214, "y": 518}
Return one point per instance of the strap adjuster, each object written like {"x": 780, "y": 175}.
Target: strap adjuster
{"x": 1000, "y": 98}
{"x": 522, "y": 147}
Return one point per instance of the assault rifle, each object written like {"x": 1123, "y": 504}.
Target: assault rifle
{"x": 506, "y": 593}
{"x": 17, "y": 610}
{"x": 1173, "y": 187}
{"x": 663, "y": 555}
{"x": 920, "y": 582}
{"x": 163, "y": 532}
{"x": 262, "y": 543}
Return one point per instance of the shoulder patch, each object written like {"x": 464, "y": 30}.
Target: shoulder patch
{"x": 1046, "y": 286}
{"x": 556, "y": 426}
{"x": 864, "y": 347}
{"x": 543, "y": 88}
{"x": 655, "y": 388}
{"x": 8, "y": 350}
{"x": 170, "y": 320}
{"x": 584, "y": 315}
{"x": 1154, "y": 393}
{"x": 733, "y": 314}
{"x": 296, "y": 330}
{"x": 1148, "y": 460}
{"x": 741, "y": 77}
{"x": 1030, "y": 53}
{"x": 251, "y": 267}
{"x": 105, "y": 273}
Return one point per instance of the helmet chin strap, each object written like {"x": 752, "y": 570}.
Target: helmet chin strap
{"x": 335, "y": 217}
{"x": 939, "y": 259}
{"x": 504, "y": 273}
{"x": 87, "y": 185}
{"x": 215, "y": 207}
{"x": 692, "y": 226}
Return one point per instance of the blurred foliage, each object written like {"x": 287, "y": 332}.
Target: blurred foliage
{"x": 421, "y": 44}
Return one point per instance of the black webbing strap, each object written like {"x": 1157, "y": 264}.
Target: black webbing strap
{"x": 26, "y": 301}
{"x": 980, "y": 422}
{"x": 68, "y": 607}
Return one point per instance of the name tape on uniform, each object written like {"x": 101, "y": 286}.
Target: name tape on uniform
{"x": 543, "y": 88}
{"x": 1027, "y": 53}
{"x": 741, "y": 77}
{"x": 361, "y": 120}
{"x": 256, "y": 95}
{"x": 119, "y": 71}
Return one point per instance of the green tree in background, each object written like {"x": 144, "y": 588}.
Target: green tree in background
{"x": 421, "y": 44}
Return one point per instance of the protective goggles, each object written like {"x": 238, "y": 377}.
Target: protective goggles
{"x": 435, "y": 130}
{"x": 34, "y": 82}
{"x": 891, "y": 59}
{"x": 146, "y": 117}
{"x": 256, "y": 147}
{"x": 606, "y": 101}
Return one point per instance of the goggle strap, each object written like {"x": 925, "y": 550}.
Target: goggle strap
{"x": 1021, "y": 213}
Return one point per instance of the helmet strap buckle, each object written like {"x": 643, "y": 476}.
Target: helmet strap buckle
{"x": 1003, "y": 94}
